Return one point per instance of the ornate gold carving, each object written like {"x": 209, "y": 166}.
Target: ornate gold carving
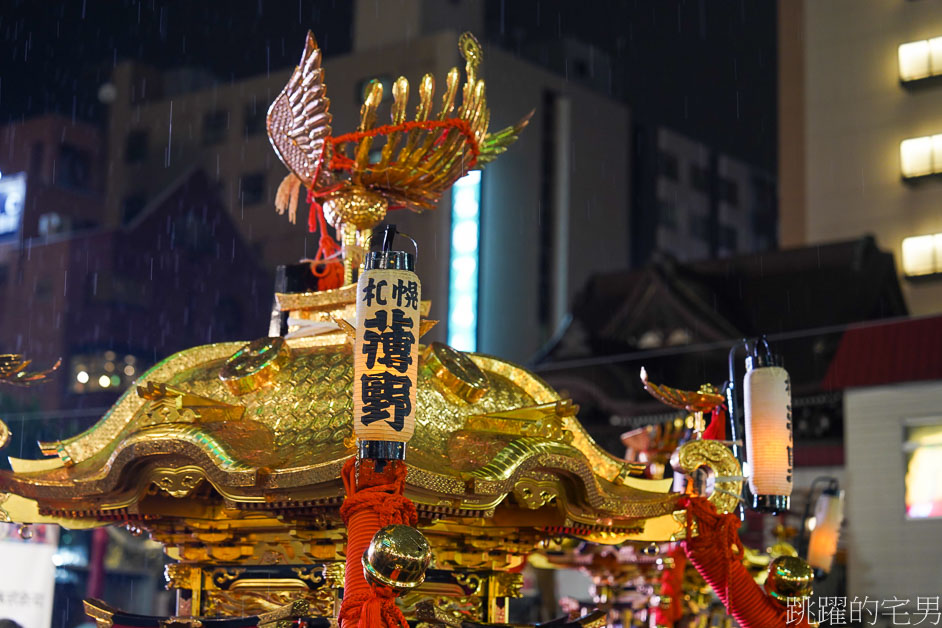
{"x": 4, "y": 515}
{"x": 262, "y": 601}
{"x": 313, "y": 577}
{"x": 720, "y": 460}
{"x": 180, "y": 575}
{"x": 703, "y": 400}
{"x": 451, "y": 608}
{"x": 472, "y": 583}
{"x": 533, "y": 494}
{"x": 334, "y": 574}
{"x": 224, "y": 576}
{"x": 506, "y": 584}
{"x": 100, "y": 612}
{"x": 169, "y": 405}
{"x": 545, "y": 421}
{"x": 178, "y": 482}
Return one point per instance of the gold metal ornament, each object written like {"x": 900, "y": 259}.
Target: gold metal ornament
{"x": 790, "y": 580}
{"x": 419, "y": 159}
{"x": 13, "y": 370}
{"x": 727, "y": 474}
{"x": 455, "y": 372}
{"x": 254, "y": 365}
{"x": 397, "y": 557}
{"x": 702, "y": 400}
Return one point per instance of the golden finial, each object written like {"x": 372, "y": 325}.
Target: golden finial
{"x": 419, "y": 160}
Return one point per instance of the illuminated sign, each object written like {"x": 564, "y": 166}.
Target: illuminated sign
{"x": 464, "y": 267}
{"x": 12, "y": 202}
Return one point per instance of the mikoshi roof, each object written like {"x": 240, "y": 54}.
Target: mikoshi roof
{"x": 275, "y": 436}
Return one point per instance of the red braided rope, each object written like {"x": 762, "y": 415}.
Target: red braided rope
{"x": 717, "y": 553}
{"x": 325, "y": 266}
{"x": 717, "y": 428}
{"x": 339, "y": 161}
{"x": 374, "y": 500}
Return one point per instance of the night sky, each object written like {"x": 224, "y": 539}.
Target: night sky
{"x": 704, "y": 67}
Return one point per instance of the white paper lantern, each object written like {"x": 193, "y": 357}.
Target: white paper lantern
{"x": 768, "y": 405}
{"x": 828, "y": 514}
{"x": 385, "y": 355}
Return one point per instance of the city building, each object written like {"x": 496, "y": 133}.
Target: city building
{"x": 111, "y": 302}
{"x": 51, "y": 177}
{"x": 860, "y": 111}
{"x": 694, "y": 202}
{"x": 860, "y": 115}
{"x": 563, "y": 188}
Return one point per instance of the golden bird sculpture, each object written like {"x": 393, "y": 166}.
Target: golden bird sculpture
{"x": 706, "y": 399}
{"x": 418, "y": 161}
{"x": 703, "y": 400}
{"x": 13, "y": 371}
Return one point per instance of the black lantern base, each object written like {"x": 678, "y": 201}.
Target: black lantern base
{"x": 382, "y": 450}
{"x": 771, "y": 503}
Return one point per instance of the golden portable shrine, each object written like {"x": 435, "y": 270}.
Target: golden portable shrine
{"x": 339, "y": 472}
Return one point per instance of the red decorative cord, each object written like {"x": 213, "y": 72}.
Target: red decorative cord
{"x": 717, "y": 553}
{"x": 339, "y": 161}
{"x": 326, "y": 265}
{"x": 374, "y": 500}
{"x": 717, "y": 428}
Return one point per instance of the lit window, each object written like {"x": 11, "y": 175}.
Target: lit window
{"x": 920, "y": 59}
{"x": 922, "y": 255}
{"x": 923, "y": 449}
{"x": 463, "y": 280}
{"x": 921, "y": 156}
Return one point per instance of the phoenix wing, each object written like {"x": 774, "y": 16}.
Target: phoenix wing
{"x": 299, "y": 119}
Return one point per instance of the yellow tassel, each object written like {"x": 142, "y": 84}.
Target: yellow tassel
{"x": 287, "y": 197}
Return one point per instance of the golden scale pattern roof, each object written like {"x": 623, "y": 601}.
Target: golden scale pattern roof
{"x": 285, "y": 441}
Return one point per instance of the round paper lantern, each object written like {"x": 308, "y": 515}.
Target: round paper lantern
{"x": 768, "y": 405}
{"x": 828, "y": 514}
{"x": 385, "y": 354}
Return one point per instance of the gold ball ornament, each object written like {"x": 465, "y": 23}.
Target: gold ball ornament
{"x": 790, "y": 580}
{"x": 357, "y": 206}
{"x": 397, "y": 557}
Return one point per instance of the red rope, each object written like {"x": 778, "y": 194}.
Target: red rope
{"x": 717, "y": 428}
{"x": 339, "y": 161}
{"x": 717, "y": 554}
{"x": 374, "y": 500}
{"x": 326, "y": 265}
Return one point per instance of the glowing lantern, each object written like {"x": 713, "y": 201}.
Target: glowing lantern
{"x": 385, "y": 352}
{"x": 768, "y": 405}
{"x": 828, "y": 514}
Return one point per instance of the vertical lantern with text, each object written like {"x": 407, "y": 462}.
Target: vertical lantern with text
{"x": 828, "y": 515}
{"x": 385, "y": 357}
{"x": 768, "y": 411}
